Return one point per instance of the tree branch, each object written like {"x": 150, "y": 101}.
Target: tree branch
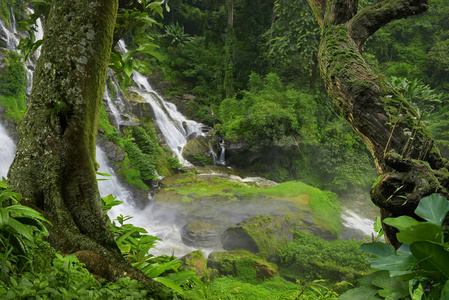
{"x": 370, "y": 19}
{"x": 318, "y": 8}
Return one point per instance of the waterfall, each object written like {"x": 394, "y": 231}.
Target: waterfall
{"x": 7, "y": 151}
{"x": 113, "y": 109}
{"x": 11, "y": 40}
{"x": 172, "y": 124}
{"x": 222, "y": 160}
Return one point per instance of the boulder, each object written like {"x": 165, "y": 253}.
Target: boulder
{"x": 201, "y": 234}
{"x": 265, "y": 235}
{"x": 140, "y": 107}
{"x": 197, "y": 151}
{"x": 242, "y": 264}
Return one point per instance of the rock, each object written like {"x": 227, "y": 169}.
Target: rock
{"x": 112, "y": 151}
{"x": 242, "y": 264}
{"x": 140, "y": 107}
{"x": 188, "y": 97}
{"x": 201, "y": 234}
{"x": 195, "y": 261}
{"x": 265, "y": 235}
{"x": 192, "y": 136}
{"x": 197, "y": 151}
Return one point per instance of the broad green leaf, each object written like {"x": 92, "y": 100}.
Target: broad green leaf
{"x": 360, "y": 293}
{"x": 432, "y": 257}
{"x": 394, "y": 263}
{"x": 128, "y": 68}
{"x": 104, "y": 174}
{"x": 445, "y": 291}
{"x": 4, "y": 195}
{"x": 391, "y": 288}
{"x": 18, "y": 244}
{"x": 402, "y": 222}
{"x": 170, "y": 284}
{"x": 378, "y": 249}
{"x": 128, "y": 55}
{"x": 33, "y": 222}
{"x": 416, "y": 294}
{"x": 4, "y": 217}
{"x": 20, "y": 229}
{"x": 158, "y": 269}
{"x": 433, "y": 208}
{"x": 421, "y": 232}
{"x": 26, "y": 211}
{"x": 182, "y": 276}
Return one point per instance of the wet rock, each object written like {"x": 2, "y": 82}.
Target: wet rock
{"x": 200, "y": 234}
{"x": 197, "y": 151}
{"x": 140, "y": 107}
{"x": 188, "y": 97}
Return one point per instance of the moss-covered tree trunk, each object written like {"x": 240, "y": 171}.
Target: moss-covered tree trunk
{"x": 407, "y": 161}
{"x": 54, "y": 167}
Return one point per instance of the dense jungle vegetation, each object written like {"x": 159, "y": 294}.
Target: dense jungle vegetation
{"x": 252, "y": 67}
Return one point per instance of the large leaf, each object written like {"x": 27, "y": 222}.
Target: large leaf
{"x": 25, "y": 211}
{"x": 445, "y": 291}
{"x": 421, "y": 232}
{"x": 361, "y": 293}
{"x": 4, "y": 217}
{"x": 432, "y": 257}
{"x": 170, "y": 284}
{"x": 391, "y": 288}
{"x": 433, "y": 208}
{"x": 402, "y": 222}
{"x": 21, "y": 229}
{"x": 158, "y": 269}
{"x": 394, "y": 263}
{"x": 378, "y": 249}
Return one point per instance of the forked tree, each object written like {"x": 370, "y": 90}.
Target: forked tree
{"x": 408, "y": 163}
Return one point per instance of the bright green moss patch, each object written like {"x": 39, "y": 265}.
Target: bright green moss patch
{"x": 324, "y": 206}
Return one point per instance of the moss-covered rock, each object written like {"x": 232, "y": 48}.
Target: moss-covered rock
{"x": 265, "y": 235}
{"x": 197, "y": 151}
{"x": 242, "y": 264}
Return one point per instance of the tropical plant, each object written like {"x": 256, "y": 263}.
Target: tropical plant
{"x": 19, "y": 225}
{"x": 419, "y": 269}
{"x": 134, "y": 243}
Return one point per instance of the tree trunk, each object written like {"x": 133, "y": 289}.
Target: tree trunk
{"x": 407, "y": 161}
{"x": 54, "y": 167}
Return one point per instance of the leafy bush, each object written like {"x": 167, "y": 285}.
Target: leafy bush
{"x": 309, "y": 257}
{"x": 419, "y": 269}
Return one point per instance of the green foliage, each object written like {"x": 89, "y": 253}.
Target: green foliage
{"x": 293, "y": 38}
{"x": 420, "y": 267}
{"x": 274, "y": 288}
{"x": 20, "y": 226}
{"x": 309, "y": 257}
{"x": 134, "y": 244}
{"x": 13, "y": 83}
{"x": 264, "y": 117}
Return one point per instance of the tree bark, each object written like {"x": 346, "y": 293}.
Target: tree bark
{"x": 54, "y": 167}
{"x": 407, "y": 161}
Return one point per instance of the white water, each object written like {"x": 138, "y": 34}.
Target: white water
{"x": 353, "y": 220}
{"x": 114, "y": 111}
{"x": 222, "y": 160}
{"x": 12, "y": 41}
{"x": 172, "y": 124}
{"x": 7, "y": 151}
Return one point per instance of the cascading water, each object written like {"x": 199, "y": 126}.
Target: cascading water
{"x": 11, "y": 40}
{"x": 7, "y": 151}
{"x": 222, "y": 159}
{"x": 173, "y": 125}
{"x": 114, "y": 111}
